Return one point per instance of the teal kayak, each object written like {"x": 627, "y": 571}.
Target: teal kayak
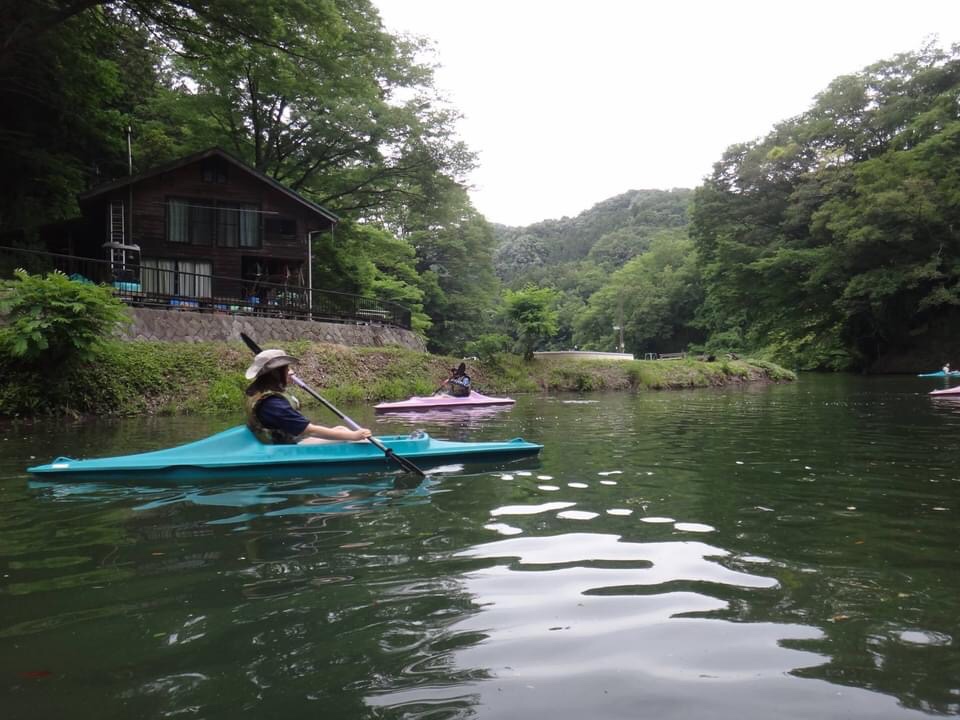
{"x": 940, "y": 373}
{"x": 237, "y": 453}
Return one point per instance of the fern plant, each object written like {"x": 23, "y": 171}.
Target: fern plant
{"x": 49, "y": 320}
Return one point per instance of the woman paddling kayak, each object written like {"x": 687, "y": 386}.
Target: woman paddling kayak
{"x": 458, "y": 384}
{"x": 273, "y": 415}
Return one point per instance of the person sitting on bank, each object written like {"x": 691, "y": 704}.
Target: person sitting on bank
{"x": 273, "y": 415}
{"x": 459, "y": 383}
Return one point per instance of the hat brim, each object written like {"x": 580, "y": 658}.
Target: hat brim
{"x": 256, "y": 370}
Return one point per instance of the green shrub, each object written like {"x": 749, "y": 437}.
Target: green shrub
{"x": 53, "y": 319}
{"x": 486, "y": 346}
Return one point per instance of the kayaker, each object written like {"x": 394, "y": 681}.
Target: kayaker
{"x": 274, "y": 415}
{"x": 459, "y": 383}
{"x": 946, "y": 368}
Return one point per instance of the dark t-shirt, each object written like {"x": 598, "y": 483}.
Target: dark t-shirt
{"x": 276, "y": 414}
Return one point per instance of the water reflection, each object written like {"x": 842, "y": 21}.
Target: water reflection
{"x": 261, "y": 500}
{"x": 779, "y": 552}
{"x": 461, "y": 418}
{"x": 622, "y": 618}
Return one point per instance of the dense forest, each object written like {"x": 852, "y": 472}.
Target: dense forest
{"x": 832, "y": 242}
{"x": 602, "y": 265}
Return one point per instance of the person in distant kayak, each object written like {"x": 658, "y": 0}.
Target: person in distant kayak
{"x": 459, "y": 383}
{"x": 946, "y": 368}
{"x": 273, "y": 415}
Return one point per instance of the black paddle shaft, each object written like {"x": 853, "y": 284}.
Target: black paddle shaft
{"x": 400, "y": 460}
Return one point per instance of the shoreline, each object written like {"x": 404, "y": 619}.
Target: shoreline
{"x": 169, "y": 378}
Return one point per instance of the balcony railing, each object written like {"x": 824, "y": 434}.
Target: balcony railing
{"x": 174, "y": 289}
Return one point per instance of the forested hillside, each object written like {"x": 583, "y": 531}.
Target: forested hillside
{"x": 832, "y": 242}
{"x": 595, "y": 261}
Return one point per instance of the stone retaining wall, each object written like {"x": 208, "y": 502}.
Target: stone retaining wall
{"x": 186, "y": 326}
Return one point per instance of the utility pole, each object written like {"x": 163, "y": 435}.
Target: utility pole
{"x": 620, "y": 323}
{"x": 129, "y": 240}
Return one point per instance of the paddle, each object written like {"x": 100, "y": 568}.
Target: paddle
{"x": 461, "y": 369}
{"x": 440, "y": 389}
{"x": 391, "y": 455}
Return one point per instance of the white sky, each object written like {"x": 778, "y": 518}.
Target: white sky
{"x": 570, "y": 103}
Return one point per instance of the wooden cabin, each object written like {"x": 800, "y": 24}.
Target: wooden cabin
{"x": 205, "y": 226}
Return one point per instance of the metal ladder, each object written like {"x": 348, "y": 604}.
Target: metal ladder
{"x": 117, "y": 233}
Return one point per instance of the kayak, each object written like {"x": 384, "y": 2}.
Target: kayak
{"x": 947, "y": 391}
{"x": 432, "y": 402}
{"x": 941, "y": 373}
{"x": 237, "y": 453}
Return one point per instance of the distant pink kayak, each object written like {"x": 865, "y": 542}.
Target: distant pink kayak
{"x": 474, "y": 399}
{"x": 948, "y": 391}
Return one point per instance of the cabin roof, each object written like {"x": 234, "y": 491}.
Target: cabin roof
{"x": 196, "y": 157}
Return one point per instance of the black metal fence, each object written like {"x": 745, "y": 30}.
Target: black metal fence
{"x": 180, "y": 287}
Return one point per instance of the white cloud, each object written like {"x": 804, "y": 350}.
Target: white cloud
{"x": 569, "y": 103}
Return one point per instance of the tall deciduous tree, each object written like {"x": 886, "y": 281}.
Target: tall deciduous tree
{"x": 831, "y": 242}
{"x": 532, "y": 315}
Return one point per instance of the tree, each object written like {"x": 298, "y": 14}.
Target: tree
{"x": 653, "y": 297}
{"x": 75, "y": 74}
{"x": 327, "y": 120}
{"x": 531, "y": 313}
{"x": 829, "y": 243}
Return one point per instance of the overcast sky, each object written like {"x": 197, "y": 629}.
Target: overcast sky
{"x": 570, "y": 103}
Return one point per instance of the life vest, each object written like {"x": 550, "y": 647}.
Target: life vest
{"x": 460, "y": 386}
{"x": 269, "y": 436}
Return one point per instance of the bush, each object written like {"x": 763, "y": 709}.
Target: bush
{"x": 51, "y": 320}
{"x": 486, "y": 346}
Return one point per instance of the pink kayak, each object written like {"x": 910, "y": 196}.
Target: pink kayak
{"x": 947, "y": 391}
{"x": 432, "y": 402}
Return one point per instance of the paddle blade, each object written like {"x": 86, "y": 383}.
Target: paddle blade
{"x": 254, "y": 348}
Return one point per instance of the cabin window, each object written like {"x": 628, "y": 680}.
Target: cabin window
{"x": 228, "y": 226}
{"x": 205, "y": 222}
{"x": 249, "y": 226}
{"x": 185, "y": 278}
{"x": 202, "y": 224}
{"x": 213, "y": 170}
{"x": 178, "y": 221}
{"x": 282, "y": 228}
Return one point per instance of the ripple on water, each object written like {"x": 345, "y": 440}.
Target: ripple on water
{"x": 694, "y": 527}
{"x": 577, "y": 515}
{"x": 503, "y": 528}
{"x": 924, "y": 637}
{"x": 653, "y": 563}
{"x": 530, "y": 509}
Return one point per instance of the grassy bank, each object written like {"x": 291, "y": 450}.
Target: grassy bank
{"x": 168, "y": 378}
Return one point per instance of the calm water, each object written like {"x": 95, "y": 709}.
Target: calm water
{"x": 788, "y": 551}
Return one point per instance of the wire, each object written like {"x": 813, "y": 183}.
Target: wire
{"x": 215, "y": 207}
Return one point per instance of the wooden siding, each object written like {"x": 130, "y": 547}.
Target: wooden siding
{"x": 150, "y": 198}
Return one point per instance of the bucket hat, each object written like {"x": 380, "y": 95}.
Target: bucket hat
{"x": 268, "y": 360}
